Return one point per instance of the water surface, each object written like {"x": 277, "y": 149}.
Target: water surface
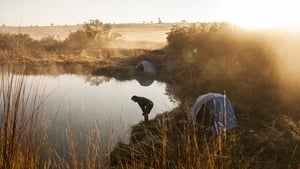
{"x": 77, "y": 104}
{"x": 85, "y": 100}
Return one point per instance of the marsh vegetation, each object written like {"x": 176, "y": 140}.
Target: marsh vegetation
{"x": 257, "y": 70}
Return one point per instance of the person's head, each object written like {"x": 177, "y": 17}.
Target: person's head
{"x": 134, "y": 98}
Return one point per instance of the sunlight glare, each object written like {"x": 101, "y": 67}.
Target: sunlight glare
{"x": 257, "y": 14}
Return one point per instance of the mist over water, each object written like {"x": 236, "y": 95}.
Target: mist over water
{"x": 108, "y": 98}
{"x": 84, "y": 100}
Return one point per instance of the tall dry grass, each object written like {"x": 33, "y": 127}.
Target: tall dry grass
{"x": 89, "y": 151}
{"x": 27, "y": 138}
{"x": 161, "y": 144}
{"x": 22, "y": 137}
{"x": 25, "y": 142}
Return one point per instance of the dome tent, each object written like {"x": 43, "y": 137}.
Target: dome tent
{"x": 146, "y": 66}
{"x": 223, "y": 117}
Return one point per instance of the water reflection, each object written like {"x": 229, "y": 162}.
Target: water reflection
{"x": 96, "y": 80}
{"x": 87, "y": 98}
{"x": 82, "y": 103}
{"x": 144, "y": 80}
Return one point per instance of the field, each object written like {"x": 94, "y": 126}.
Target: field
{"x": 130, "y": 32}
{"x": 257, "y": 70}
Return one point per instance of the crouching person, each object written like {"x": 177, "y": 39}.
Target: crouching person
{"x": 145, "y": 104}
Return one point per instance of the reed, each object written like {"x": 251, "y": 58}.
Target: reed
{"x": 26, "y": 137}
{"x": 194, "y": 54}
{"x": 26, "y": 143}
{"x": 161, "y": 144}
{"x": 22, "y": 136}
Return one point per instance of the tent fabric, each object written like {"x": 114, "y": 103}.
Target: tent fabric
{"x": 224, "y": 116}
{"x": 146, "y": 66}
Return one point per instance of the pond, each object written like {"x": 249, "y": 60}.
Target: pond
{"x": 83, "y": 101}
{"x": 105, "y": 99}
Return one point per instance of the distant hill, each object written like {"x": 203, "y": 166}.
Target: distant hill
{"x": 38, "y": 32}
{"x": 130, "y": 32}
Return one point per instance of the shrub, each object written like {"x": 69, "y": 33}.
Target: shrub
{"x": 218, "y": 57}
{"x": 94, "y": 34}
{"x": 15, "y": 45}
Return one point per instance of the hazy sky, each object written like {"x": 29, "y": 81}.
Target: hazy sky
{"x": 250, "y": 13}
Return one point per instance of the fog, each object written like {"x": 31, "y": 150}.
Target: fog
{"x": 287, "y": 51}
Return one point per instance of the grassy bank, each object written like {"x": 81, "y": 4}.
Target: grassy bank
{"x": 161, "y": 144}
{"x": 245, "y": 65}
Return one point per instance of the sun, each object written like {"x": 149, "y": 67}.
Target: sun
{"x": 257, "y": 14}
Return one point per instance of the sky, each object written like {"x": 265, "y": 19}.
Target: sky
{"x": 248, "y": 13}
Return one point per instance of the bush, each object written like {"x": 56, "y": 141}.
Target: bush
{"x": 94, "y": 34}
{"x": 218, "y": 57}
{"x": 15, "y": 45}
{"x": 76, "y": 40}
{"x": 50, "y": 44}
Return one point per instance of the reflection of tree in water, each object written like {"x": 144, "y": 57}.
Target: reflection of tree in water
{"x": 96, "y": 80}
{"x": 171, "y": 93}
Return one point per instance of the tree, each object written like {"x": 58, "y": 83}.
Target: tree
{"x": 93, "y": 34}
{"x": 159, "y": 20}
{"x": 94, "y": 29}
{"x": 76, "y": 40}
